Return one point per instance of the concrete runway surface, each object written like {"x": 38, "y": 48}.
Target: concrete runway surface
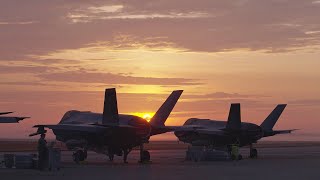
{"x": 292, "y": 162}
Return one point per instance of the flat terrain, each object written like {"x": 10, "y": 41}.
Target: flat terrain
{"x": 277, "y": 160}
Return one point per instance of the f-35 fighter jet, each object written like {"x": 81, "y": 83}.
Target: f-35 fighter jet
{"x": 110, "y": 133}
{"x": 221, "y": 134}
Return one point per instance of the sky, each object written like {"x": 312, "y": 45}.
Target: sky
{"x": 60, "y": 55}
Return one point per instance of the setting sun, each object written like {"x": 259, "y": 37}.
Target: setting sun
{"x": 145, "y": 115}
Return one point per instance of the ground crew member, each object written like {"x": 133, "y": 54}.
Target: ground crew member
{"x": 42, "y": 152}
{"x": 235, "y": 150}
{"x": 110, "y": 154}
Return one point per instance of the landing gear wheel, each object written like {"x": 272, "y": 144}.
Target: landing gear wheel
{"x": 79, "y": 155}
{"x": 85, "y": 154}
{"x": 145, "y": 156}
{"x": 111, "y": 156}
{"x": 253, "y": 153}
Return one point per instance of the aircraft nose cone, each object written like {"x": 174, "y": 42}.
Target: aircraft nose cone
{"x": 179, "y": 133}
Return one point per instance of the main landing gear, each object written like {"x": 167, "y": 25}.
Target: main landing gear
{"x": 112, "y": 152}
{"x": 79, "y": 155}
{"x": 125, "y": 155}
{"x": 144, "y": 155}
{"x": 111, "y": 156}
{"x": 253, "y": 152}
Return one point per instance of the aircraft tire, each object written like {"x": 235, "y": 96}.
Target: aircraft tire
{"x": 75, "y": 158}
{"x": 78, "y": 156}
{"x": 253, "y": 153}
{"x": 145, "y": 156}
{"x": 85, "y": 154}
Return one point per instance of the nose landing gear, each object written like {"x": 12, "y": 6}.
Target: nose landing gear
{"x": 144, "y": 155}
{"x": 253, "y": 152}
{"x": 79, "y": 155}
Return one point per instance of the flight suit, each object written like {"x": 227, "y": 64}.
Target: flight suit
{"x": 235, "y": 151}
{"x": 43, "y": 153}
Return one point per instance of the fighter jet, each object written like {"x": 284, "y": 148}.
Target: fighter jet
{"x": 10, "y": 119}
{"x": 221, "y": 134}
{"x": 109, "y": 133}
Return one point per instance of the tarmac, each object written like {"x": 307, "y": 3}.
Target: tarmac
{"x": 292, "y": 161}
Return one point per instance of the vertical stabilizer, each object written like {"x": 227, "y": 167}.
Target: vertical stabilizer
{"x": 110, "y": 109}
{"x": 273, "y": 117}
{"x": 234, "y": 119}
{"x": 164, "y": 111}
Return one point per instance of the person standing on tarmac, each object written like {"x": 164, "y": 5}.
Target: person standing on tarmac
{"x": 235, "y": 151}
{"x": 42, "y": 152}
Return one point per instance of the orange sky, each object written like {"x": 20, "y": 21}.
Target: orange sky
{"x": 56, "y": 56}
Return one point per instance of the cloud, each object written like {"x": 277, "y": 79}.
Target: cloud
{"x": 84, "y": 18}
{"x": 17, "y": 23}
{"x": 127, "y": 11}
{"x": 109, "y": 78}
{"x": 55, "y": 61}
{"x": 106, "y": 9}
{"x": 127, "y": 42}
{"x": 33, "y": 83}
{"x": 306, "y": 102}
{"x": 207, "y": 26}
{"x": 222, "y": 95}
{"x": 16, "y": 69}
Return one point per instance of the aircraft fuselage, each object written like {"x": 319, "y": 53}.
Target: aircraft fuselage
{"x": 248, "y": 134}
{"x": 116, "y": 138}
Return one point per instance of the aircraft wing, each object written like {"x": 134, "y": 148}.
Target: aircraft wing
{"x": 85, "y": 128}
{"x": 284, "y": 131}
{"x": 197, "y": 128}
{"x": 113, "y": 125}
{"x": 163, "y": 129}
{"x": 188, "y": 127}
{"x": 275, "y": 132}
{"x": 3, "y": 113}
{"x": 202, "y": 130}
{"x": 211, "y": 132}
{"x": 181, "y": 128}
{"x": 11, "y": 119}
{"x": 75, "y": 127}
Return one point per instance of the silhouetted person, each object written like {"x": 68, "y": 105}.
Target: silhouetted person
{"x": 42, "y": 152}
{"x": 125, "y": 155}
{"x": 110, "y": 154}
{"x": 235, "y": 150}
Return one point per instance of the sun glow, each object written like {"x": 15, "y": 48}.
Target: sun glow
{"x": 145, "y": 115}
